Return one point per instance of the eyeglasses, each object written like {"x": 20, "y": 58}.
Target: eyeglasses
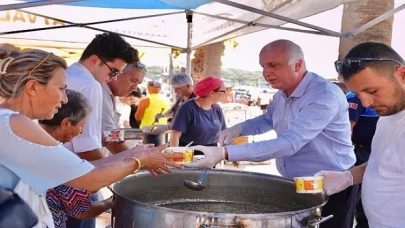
{"x": 113, "y": 71}
{"x": 356, "y": 64}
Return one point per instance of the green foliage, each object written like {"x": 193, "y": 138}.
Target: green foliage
{"x": 154, "y": 72}
{"x": 241, "y": 77}
{"x": 232, "y": 76}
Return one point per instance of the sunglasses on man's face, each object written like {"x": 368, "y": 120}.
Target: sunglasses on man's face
{"x": 353, "y": 65}
{"x": 113, "y": 71}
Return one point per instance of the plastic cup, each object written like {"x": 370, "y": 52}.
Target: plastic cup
{"x": 187, "y": 152}
{"x": 309, "y": 184}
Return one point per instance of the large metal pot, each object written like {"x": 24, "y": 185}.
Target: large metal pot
{"x": 230, "y": 199}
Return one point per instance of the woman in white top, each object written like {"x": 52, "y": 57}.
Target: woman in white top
{"x": 33, "y": 84}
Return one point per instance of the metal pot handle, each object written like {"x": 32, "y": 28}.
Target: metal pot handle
{"x": 319, "y": 220}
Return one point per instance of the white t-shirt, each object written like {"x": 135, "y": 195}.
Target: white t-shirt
{"x": 124, "y": 110}
{"x": 81, "y": 80}
{"x": 383, "y": 190}
{"x": 265, "y": 98}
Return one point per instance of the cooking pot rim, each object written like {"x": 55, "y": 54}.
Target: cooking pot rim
{"x": 280, "y": 214}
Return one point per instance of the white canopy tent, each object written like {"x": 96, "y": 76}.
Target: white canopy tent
{"x": 183, "y": 25}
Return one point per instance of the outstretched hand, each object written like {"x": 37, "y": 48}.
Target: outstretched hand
{"x": 157, "y": 162}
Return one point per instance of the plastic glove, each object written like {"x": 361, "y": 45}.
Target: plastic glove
{"x": 158, "y": 116}
{"x": 160, "y": 129}
{"x": 213, "y": 155}
{"x": 334, "y": 182}
{"x": 227, "y": 136}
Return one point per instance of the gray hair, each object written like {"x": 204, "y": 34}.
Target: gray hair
{"x": 181, "y": 79}
{"x": 140, "y": 66}
{"x": 293, "y": 51}
{"x": 76, "y": 109}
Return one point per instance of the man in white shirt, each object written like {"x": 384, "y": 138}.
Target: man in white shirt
{"x": 376, "y": 74}
{"x": 102, "y": 61}
{"x": 126, "y": 83}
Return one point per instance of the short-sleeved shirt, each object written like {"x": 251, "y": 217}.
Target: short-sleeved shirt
{"x": 179, "y": 102}
{"x": 383, "y": 187}
{"x": 365, "y": 118}
{"x": 81, "y": 80}
{"x": 64, "y": 201}
{"x": 41, "y": 167}
{"x": 198, "y": 125}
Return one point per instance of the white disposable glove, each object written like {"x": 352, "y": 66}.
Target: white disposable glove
{"x": 227, "y": 136}
{"x": 160, "y": 129}
{"x": 334, "y": 182}
{"x": 213, "y": 155}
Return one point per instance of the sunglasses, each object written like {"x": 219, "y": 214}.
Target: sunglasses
{"x": 113, "y": 71}
{"x": 356, "y": 64}
{"x": 141, "y": 66}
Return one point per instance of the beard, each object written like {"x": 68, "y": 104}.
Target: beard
{"x": 398, "y": 96}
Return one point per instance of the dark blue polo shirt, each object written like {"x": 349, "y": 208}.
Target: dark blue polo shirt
{"x": 198, "y": 125}
{"x": 365, "y": 118}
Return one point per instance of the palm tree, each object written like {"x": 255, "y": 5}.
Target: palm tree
{"x": 207, "y": 59}
{"x": 358, "y": 13}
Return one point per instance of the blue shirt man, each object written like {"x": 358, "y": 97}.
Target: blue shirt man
{"x": 310, "y": 116}
{"x": 312, "y": 126}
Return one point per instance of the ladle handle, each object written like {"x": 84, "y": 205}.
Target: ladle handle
{"x": 203, "y": 176}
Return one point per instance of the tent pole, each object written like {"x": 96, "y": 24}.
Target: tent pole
{"x": 373, "y": 22}
{"x": 34, "y": 4}
{"x": 276, "y": 16}
{"x": 189, "y": 16}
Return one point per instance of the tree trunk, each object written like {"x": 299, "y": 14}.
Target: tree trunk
{"x": 359, "y": 13}
{"x": 212, "y": 62}
{"x": 197, "y": 64}
{"x": 207, "y": 61}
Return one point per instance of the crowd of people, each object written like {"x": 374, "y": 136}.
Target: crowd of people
{"x": 349, "y": 133}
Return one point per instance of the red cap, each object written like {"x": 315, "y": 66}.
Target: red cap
{"x": 206, "y": 86}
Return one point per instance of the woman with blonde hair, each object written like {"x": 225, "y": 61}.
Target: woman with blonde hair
{"x": 33, "y": 85}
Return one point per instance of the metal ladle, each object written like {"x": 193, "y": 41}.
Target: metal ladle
{"x": 194, "y": 185}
